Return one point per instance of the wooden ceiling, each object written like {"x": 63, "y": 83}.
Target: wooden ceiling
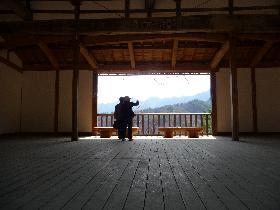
{"x": 151, "y": 45}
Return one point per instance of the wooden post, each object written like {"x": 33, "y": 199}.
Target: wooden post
{"x": 149, "y": 6}
{"x": 254, "y": 100}
{"x": 75, "y": 81}
{"x": 214, "y": 101}
{"x": 178, "y": 8}
{"x": 234, "y": 89}
{"x": 94, "y": 99}
{"x": 56, "y": 100}
{"x": 126, "y": 10}
{"x": 230, "y": 7}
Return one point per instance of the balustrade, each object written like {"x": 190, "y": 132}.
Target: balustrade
{"x": 148, "y": 123}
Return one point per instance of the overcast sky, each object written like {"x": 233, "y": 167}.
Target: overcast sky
{"x": 110, "y": 88}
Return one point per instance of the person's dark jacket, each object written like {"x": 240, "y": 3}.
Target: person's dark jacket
{"x": 126, "y": 109}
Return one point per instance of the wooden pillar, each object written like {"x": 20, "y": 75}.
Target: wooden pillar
{"x": 230, "y": 7}
{"x": 27, "y": 4}
{"x": 56, "y": 101}
{"x": 178, "y": 8}
{"x": 75, "y": 81}
{"x": 214, "y": 101}
{"x": 254, "y": 100}
{"x": 233, "y": 89}
{"x": 126, "y": 6}
{"x": 94, "y": 99}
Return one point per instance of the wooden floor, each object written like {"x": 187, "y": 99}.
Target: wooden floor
{"x": 53, "y": 173}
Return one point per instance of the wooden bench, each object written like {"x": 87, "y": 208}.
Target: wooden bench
{"x": 193, "y": 132}
{"x": 106, "y": 132}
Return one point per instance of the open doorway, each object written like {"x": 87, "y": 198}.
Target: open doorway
{"x": 165, "y": 100}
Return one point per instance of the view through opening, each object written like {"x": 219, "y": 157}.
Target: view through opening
{"x": 159, "y": 93}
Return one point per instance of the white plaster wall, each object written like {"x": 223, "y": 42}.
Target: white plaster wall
{"x": 268, "y": 99}
{"x": 85, "y": 102}
{"x": 224, "y": 101}
{"x": 245, "y": 100}
{"x": 38, "y": 101}
{"x": 10, "y": 99}
{"x": 65, "y": 102}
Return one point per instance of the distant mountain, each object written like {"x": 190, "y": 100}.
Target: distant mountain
{"x": 194, "y": 106}
{"x": 154, "y": 102}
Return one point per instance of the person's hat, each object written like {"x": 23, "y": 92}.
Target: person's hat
{"x": 126, "y": 98}
{"x": 121, "y": 98}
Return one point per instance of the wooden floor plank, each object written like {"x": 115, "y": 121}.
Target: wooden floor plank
{"x": 136, "y": 195}
{"x": 117, "y": 198}
{"x": 147, "y": 173}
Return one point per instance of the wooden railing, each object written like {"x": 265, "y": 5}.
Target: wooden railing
{"x": 148, "y": 123}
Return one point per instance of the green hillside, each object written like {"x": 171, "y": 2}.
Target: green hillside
{"x": 194, "y": 106}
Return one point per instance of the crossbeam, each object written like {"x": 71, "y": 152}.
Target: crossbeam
{"x": 198, "y": 23}
{"x": 219, "y": 55}
{"x": 10, "y": 64}
{"x": 261, "y": 53}
{"x": 49, "y": 54}
{"x": 88, "y": 56}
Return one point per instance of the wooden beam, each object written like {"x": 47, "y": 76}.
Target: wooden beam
{"x": 149, "y": 6}
{"x": 186, "y": 24}
{"x": 155, "y": 10}
{"x": 75, "y": 79}
{"x": 234, "y": 90}
{"x": 18, "y": 8}
{"x": 126, "y": 68}
{"x": 219, "y": 55}
{"x": 56, "y": 100}
{"x": 131, "y": 54}
{"x": 88, "y": 56}
{"x": 261, "y": 53}
{"x": 178, "y": 8}
{"x": 10, "y": 64}
{"x": 94, "y": 99}
{"x": 230, "y": 7}
{"x": 51, "y": 57}
{"x": 15, "y": 41}
{"x": 214, "y": 101}
{"x": 174, "y": 53}
{"x": 118, "y": 39}
{"x": 275, "y": 37}
{"x": 127, "y": 7}
{"x": 254, "y": 100}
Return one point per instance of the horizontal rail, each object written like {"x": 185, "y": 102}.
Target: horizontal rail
{"x": 149, "y": 123}
{"x": 169, "y": 10}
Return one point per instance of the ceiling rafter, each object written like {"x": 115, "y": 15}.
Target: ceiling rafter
{"x": 219, "y": 55}
{"x": 88, "y": 56}
{"x": 261, "y": 53}
{"x": 49, "y": 54}
{"x": 131, "y": 54}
